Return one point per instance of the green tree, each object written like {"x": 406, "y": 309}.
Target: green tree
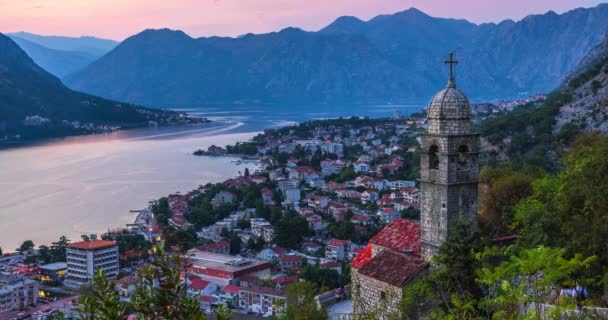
{"x": 184, "y": 239}
{"x": 235, "y": 245}
{"x": 58, "y": 249}
{"x": 44, "y": 254}
{"x": 530, "y": 277}
{"x": 202, "y": 216}
{"x": 502, "y": 188}
{"x": 302, "y": 304}
{"x": 342, "y": 230}
{"x": 26, "y": 246}
{"x": 160, "y": 293}
{"x": 290, "y": 230}
{"x": 103, "y": 303}
{"x": 223, "y": 313}
{"x": 346, "y": 174}
{"x": 161, "y": 211}
{"x": 450, "y": 289}
{"x": 324, "y": 278}
{"x": 566, "y": 210}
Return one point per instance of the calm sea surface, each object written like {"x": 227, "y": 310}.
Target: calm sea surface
{"x": 82, "y": 185}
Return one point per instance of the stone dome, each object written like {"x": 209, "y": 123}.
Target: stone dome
{"x": 449, "y": 103}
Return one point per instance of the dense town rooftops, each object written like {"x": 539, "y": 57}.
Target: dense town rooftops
{"x": 393, "y": 268}
{"x": 399, "y": 235}
{"x": 92, "y": 244}
{"x": 224, "y": 266}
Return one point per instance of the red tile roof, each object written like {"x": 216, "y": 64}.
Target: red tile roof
{"x": 92, "y": 244}
{"x": 249, "y": 278}
{"x": 285, "y": 280}
{"x": 399, "y": 235}
{"x": 330, "y": 265}
{"x": 291, "y": 258}
{"x": 338, "y": 243}
{"x": 393, "y": 268}
{"x": 362, "y": 257}
{"x": 279, "y": 250}
{"x": 232, "y": 289}
{"x": 197, "y": 283}
{"x": 214, "y": 246}
{"x": 312, "y": 245}
{"x": 127, "y": 280}
{"x": 265, "y": 291}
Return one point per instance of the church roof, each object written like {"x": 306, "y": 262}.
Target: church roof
{"x": 449, "y": 103}
{"x": 363, "y": 257}
{"x": 393, "y": 268}
{"x": 400, "y": 235}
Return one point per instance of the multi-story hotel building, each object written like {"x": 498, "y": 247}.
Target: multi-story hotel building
{"x": 85, "y": 257}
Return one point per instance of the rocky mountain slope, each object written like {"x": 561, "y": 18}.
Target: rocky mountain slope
{"x": 539, "y": 133}
{"x": 390, "y": 59}
{"x": 28, "y": 90}
{"x": 588, "y": 86}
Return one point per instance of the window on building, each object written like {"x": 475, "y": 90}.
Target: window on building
{"x": 382, "y": 295}
{"x": 433, "y": 157}
{"x": 463, "y": 157}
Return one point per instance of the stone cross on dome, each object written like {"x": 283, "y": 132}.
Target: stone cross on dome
{"x": 451, "y": 62}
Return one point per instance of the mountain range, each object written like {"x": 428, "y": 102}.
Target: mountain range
{"x": 62, "y": 55}
{"x": 27, "y": 90}
{"x": 396, "y": 58}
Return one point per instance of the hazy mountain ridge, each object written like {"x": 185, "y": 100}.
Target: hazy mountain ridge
{"x": 28, "y": 90}
{"x": 62, "y": 56}
{"x": 92, "y": 45}
{"x": 57, "y": 62}
{"x": 388, "y": 59}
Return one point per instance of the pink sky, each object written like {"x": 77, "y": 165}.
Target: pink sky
{"x": 117, "y": 19}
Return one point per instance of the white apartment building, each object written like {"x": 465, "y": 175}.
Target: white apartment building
{"x": 85, "y": 257}
{"x": 18, "y": 294}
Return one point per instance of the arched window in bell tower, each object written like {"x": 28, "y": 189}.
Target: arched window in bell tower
{"x": 433, "y": 157}
{"x": 463, "y": 157}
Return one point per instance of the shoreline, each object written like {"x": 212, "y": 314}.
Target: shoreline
{"x": 14, "y": 144}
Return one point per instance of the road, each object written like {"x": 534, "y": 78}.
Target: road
{"x": 61, "y": 305}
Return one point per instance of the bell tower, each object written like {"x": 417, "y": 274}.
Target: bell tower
{"x": 449, "y": 166}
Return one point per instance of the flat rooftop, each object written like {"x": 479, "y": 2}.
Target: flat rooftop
{"x": 93, "y": 244}
{"x": 224, "y": 262}
{"x": 55, "y": 266}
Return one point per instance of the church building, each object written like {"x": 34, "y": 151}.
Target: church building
{"x": 449, "y": 175}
